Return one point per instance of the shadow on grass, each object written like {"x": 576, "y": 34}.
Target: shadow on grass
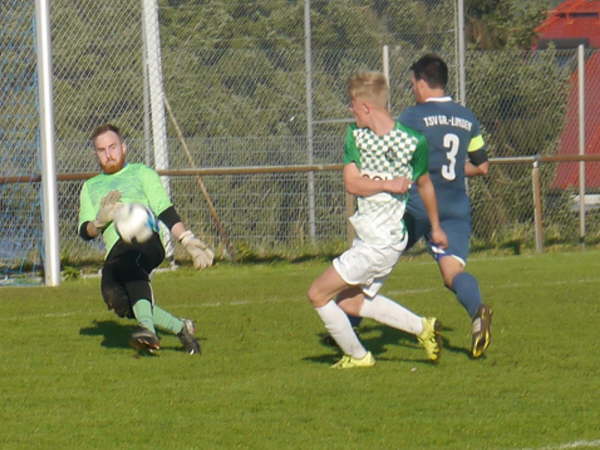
{"x": 115, "y": 335}
{"x": 377, "y": 338}
{"x": 448, "y": 347}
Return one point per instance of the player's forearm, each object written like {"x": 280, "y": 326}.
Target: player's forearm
{"x": 471, "y": 170}
{"x": 177, "y": 230}
{"x": 357, "y": 184}
{"x": 364, "y": 186}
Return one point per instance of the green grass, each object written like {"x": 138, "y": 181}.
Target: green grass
{"x": 68, "y": 379}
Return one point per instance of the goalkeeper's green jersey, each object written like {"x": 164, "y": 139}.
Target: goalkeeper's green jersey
{"x": 402, "y": 152}
{"x": 137, "y": 183}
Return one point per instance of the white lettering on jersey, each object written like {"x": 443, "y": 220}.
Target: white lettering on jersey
{"x": 457, "y": 122}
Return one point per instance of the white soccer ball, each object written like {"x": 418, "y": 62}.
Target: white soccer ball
{"x": 135, "y": 223}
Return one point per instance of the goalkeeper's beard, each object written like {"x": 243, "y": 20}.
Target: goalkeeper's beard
{"x": 113, "y": 166}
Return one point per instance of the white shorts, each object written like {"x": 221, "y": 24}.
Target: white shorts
{"x": 366, "y": 266}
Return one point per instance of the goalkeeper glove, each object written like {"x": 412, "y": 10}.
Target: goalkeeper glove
{"x": 108, "y": 205}
{"x": 202, "y": 256}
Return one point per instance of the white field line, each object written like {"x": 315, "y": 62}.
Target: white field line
{"x": 574, "y": 444}
{"x": 267, "y": 300}
{"x": 501, "y": 286}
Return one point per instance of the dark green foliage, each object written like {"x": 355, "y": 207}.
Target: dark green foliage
{"x": 234, "y": 75}
{"x": 496, "y": 24}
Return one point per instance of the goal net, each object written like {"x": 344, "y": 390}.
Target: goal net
{"x": 20, "y": 215}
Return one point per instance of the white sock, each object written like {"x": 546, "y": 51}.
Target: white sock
{"x": 337, "y": 323}
{"x": 390, "y": 313}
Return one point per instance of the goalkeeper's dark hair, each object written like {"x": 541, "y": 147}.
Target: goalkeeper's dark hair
{"x": 432, "y": 69}
{"x": 103, "y": 129}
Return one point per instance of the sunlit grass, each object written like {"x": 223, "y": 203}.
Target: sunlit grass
{"x": 70, "y": 381}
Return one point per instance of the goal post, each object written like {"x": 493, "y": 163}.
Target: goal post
{"x": 47, "y": 154}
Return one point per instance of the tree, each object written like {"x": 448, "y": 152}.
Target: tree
{"x": 497, "y": 24}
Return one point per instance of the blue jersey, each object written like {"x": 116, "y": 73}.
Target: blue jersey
{"x": 452, "y": 132}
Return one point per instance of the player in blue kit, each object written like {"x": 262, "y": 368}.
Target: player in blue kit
{"x": 456, "y": 151}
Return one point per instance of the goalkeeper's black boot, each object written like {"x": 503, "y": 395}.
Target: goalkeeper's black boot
{"x": 144, "y": 339}
{"x": 187, "y": 338}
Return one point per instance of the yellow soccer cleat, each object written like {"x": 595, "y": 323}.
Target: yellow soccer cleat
{"x": 348, "y": 362}
{"x": 430, "y": 338}
{"x": 482, "y": 331}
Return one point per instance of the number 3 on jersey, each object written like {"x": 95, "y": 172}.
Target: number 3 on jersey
{"x": 451, "y": 143}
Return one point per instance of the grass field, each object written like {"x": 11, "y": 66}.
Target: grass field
{"x": 70, "y": 381}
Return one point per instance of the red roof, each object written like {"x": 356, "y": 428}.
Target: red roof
{"x": 573, "y": 19}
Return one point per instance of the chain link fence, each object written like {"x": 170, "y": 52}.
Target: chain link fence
{"x": 234, "y": 80}
{"x": 20, "y": 221}
{"x": 527, "y": 103}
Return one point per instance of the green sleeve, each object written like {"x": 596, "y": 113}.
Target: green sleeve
{"x": 420, "y": 159}
{"x": 351, "y": 152}
{"x": 154, "y": 190}
{"x": 87, "y": 212}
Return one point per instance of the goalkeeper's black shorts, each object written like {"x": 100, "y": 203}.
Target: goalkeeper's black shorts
{"x": 126, "y": 274}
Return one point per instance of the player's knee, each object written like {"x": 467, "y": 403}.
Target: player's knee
{"x": 315, "y": 296}
{"x": 448, "y": 280}
{"x": 116, "y": 299}
{"x": 450, "y": 268}
{"x": 120, "y": 305}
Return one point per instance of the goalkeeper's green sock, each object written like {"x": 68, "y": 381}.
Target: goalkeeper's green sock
{"x": 166, "y": 320}
{"x": 142, "y": 310}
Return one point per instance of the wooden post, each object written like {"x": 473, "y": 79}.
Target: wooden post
{"x": 211, "y": 207}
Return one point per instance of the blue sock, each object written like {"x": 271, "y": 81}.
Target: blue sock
{"x": 466, "y": 288}
{"x": 354, "y": 320}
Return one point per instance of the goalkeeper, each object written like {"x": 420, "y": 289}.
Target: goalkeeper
{"x": 125, "y": 283}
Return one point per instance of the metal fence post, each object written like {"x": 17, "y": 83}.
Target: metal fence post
{"x": 537, "y": 207}
{"x": 581, "y": 118}
{"x": 309, "y": 120}
{"x": 385, "y": 60}
{"x": 460, "y": 45}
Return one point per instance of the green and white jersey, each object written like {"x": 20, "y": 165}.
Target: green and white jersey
{"x": 402, "y": 152}
{"x": 137, "y": 183}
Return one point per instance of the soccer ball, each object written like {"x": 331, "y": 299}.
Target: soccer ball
{"x": 135, "y": 223}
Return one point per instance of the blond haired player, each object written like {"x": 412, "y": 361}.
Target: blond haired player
{"x": 382, "y": 159}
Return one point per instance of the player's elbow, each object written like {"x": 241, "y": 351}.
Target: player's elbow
{"x": 352, "y": 187}
{"x": 352, "y": 190}
{"x": 423, "y": 182}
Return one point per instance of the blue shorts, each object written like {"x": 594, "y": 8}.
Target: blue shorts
{"x": 457, "y": 230}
